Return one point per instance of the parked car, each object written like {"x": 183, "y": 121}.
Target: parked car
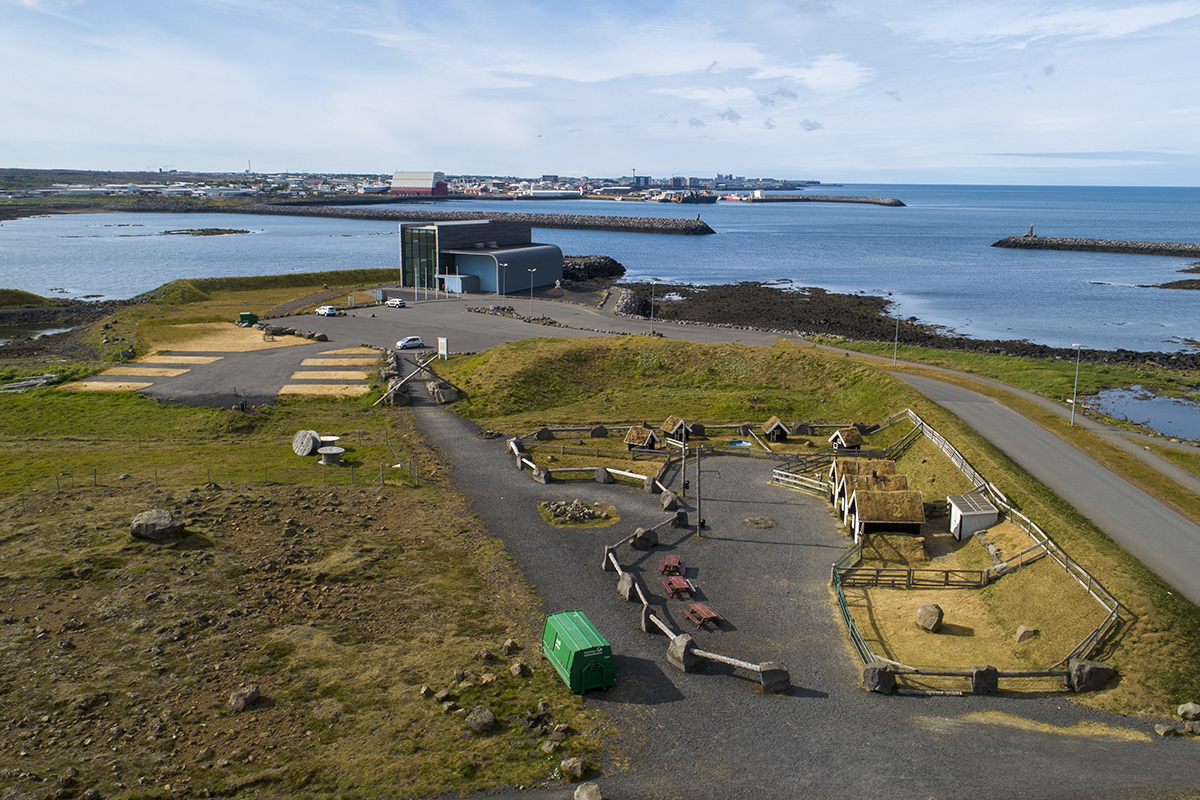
{"x": 330, "y": 311}
{"x": 410, "y": 341}
{"x": 395, "y": 302}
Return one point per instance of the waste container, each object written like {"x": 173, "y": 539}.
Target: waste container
{"x": 247, "y": 318}
{"x": 582, "y": 657}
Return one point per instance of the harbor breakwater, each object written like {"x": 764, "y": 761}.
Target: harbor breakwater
{"x": 824, "y": 198}
{"x": 1028, "y": 242}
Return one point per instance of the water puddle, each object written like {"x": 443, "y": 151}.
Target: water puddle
{"x": 1170, "y": 416}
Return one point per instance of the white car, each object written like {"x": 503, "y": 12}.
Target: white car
{"x": 395, "y": 302}
{"x": 330, "y": 311}
{"x": 410, "y": 341}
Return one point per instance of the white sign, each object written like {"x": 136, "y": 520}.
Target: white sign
{"x": 443, "y": 348}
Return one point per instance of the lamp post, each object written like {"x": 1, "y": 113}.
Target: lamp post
{"x": 896, "y": 344}
{"x": 503, "y": 268}
{"x": 531, "y": 271}
{"x": 1075, "y": 391}
{"x": 652, "y": 280}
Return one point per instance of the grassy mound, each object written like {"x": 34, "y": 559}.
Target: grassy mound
{"x": 15, "y": 298}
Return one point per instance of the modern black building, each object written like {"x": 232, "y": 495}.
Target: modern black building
{"x": 476, "y": 256}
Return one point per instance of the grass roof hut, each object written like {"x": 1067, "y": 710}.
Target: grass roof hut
{"x": 775, "y": 430}
{"x": 675, "y": 428}
{"x": 847, "y": 439}
{"x": 894, "y": 512}
{"x": 871, "y": 482}
{"x": 641, "y": 437}
{"x": 842, "y": 467}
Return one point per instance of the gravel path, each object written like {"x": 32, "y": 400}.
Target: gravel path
{"x": 713, "y": 733}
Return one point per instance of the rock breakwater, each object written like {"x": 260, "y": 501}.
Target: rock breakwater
{"x": 825, "y": 198}
{"x": 1027, "y": 242}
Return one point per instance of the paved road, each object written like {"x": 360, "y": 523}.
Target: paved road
{"x": 1162, "y": 539}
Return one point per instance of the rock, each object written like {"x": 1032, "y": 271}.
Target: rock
{"x": 650, "y": 485}
{"x": 985, "y": 680}
{"x": 1086, "y": 676}
{"x": 644, "y": 539}
{"x": 425, "y": 692}
{"x": 598, "y": 432}
{"x": 573, "y": 768}
{"x": 680, "y": 520}
{"x": 603, "y": 475}
{"x": 509, "y": 647}
{"x": 1192, "y": 727}
{"x": 487, "y": 679}
{"x": 1168, "y": 730}
{"x": 1189, "y": 711}
{"x": 449, "y": 706}
{"x": 543, "y": 707}
{"x": 929, "y": 617}
{"x": 541, "y": 474}
{"x": 680, "y": 655}
{"x": 626, "y": 586}
{"x": 156, "y": 524}
{"x": 588, "y": 791}
{"x": 668, "y": 501}
{"x": 775, "y": 677}
{"x": 518, "y": 670}
{"x": 543, "y": 435}
{"x": 481, "y": 719}
{"x": 878, "y": 677}
{"x": 204, "y": 755}
{"x": 1024, "y": 634}
{"x": 549, "y": 747}
{"x": 485, "y": 655}
{"x": 460, "y": 675}
{"x": 243, "y": 698}
{"x": 442, "y": 696}
{"x": 320, "y": 337}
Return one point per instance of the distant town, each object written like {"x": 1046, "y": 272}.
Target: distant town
{"x": 15, "y": 184}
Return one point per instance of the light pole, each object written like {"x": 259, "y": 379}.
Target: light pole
{"x": 531, "y": 271}
{"x": 896, "y": 344}
{"x": 652, "y": 280}
{"x": 1075, "y": 391}
{"x": 503, "y": 268}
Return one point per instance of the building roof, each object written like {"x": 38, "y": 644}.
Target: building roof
{"x": 672, "y": 424}
{"x": 905, "y": 506}
{"x": 639, "y": 436}
{"x": 876, "y": 482}
{"x": 864, "y": 466}
{"x": 850, "y": 437}
{"x": 773, "y": 423}
{"x": 973, "y": 503}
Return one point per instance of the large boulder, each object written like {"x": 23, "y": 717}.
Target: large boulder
{"x": 775, "y": 677}
{"x": 156, "y": 524}
{"x": 541, "y": 474}
{"x": 930, "y": 617}
{"x": 588, "y": 791}
{"x": 1086, "y": 676}
{"x": 481, "y": 720}
{"x": 627, "y": 586}
{"x": 644, "y": 539}
{"x": 243, "y": 698}
{"x": 1189, "y": 711}
{"x": 878, "y": 677}
{"x": 573, "y": 768}
{"x": 603, "y": 475}
{"x": 668, "y": 501}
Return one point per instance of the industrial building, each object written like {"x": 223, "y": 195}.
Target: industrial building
{"x": 427, "y": 184}
{"x": 476, "y": 256}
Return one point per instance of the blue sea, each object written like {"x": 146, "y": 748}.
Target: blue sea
{"x": 931, "y": 258}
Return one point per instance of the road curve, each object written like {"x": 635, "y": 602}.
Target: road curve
{"x": 1162, "y": 539}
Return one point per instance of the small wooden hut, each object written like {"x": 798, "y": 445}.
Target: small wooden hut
{"x": 675, "y": 428}
{"x": 971, "y": 512}
{"x": 847, "y": 439}
{"x": 775, "y": 430}
{"x": 641, "y": 437}
{"x": 891, "y": 512}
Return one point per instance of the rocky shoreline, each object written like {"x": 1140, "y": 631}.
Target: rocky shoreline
{"x": 1031, "y": 242}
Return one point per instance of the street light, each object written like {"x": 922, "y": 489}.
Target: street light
{"x": 531, "y": 271}
{"x": 1075, "y": 391}
{"x": 896, "y": 344}
{"x": 501, "y": 281}
{"x": 652, "y": 280}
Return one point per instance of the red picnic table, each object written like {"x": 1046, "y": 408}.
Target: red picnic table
{"x": 671, "y": 565}
{"x": 699, "y": 613}
{"x": 677, "y": 584}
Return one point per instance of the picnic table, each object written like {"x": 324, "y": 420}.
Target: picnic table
{"x": 700, "y": 613}
{"x": 677, "y": 584}
{"x": 671, "y": 565}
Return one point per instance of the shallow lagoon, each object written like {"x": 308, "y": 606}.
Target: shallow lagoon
{"x": 1170, "y": 416}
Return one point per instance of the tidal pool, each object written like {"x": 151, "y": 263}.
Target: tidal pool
{"x": 1170, "y": 416}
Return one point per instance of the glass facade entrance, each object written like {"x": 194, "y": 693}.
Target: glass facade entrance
{"x": 418, "y": 257}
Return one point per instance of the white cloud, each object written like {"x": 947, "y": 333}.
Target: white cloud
{"x": 830, "y": 73}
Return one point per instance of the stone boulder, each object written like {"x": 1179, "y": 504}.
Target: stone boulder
{"x": 243, "y": 698}
{"x": 156, "y": 524}
{"x": 481, "y": 720}
{"x": 573, "y": 768}
{"x": 930, "y": 617}
{"x": 878, "y": 677}
{"x": 644, "y": 539}
{"x": 775, "y": 677}
{"x": 1024, "y": 634}
{"x": 680, "y": 520}
{"x": 588, "y": 791}
{"x": 1189, "y": 711}
{"x": 1086, "y": 676}
{"x": 541, "y": 474}
{"x": 668, "y": 501}
{"x": 518, "y": 670}
{"x": 603, "y": 475}
{"x": 627, "y": 586}
{"x": 543, "y": 435}
{"x": 985, "y": 680}
{"x": 650, "y": 485}
{"x": 598, "y": 432}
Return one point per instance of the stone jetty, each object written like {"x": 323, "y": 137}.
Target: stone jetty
{"x": 824, "y": 198}
{"x": 578, "y": 222}
{"x": 1028, "y": 242}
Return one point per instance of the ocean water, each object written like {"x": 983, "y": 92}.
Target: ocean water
{"x": 932, "y": 258}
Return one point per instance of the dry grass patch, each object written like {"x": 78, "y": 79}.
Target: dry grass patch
{"x": 164, "y": 359}
{"x": 330, "y": 375}
{"x": 338, "y": 362}
{"x": 219, "y": 337}
{"x": 149, "y": 372}
{"x": 325, "y": 390}
{"x": 930, "y": 472}
{"x": 1088, "y": 729}
{"x": 104, "y": 386}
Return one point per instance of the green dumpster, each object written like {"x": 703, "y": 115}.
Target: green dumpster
{"x": 247, "y": 318}
{"x": 581, "y": 655}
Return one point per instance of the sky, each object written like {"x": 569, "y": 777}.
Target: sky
{"x": 1100, "y": 92}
